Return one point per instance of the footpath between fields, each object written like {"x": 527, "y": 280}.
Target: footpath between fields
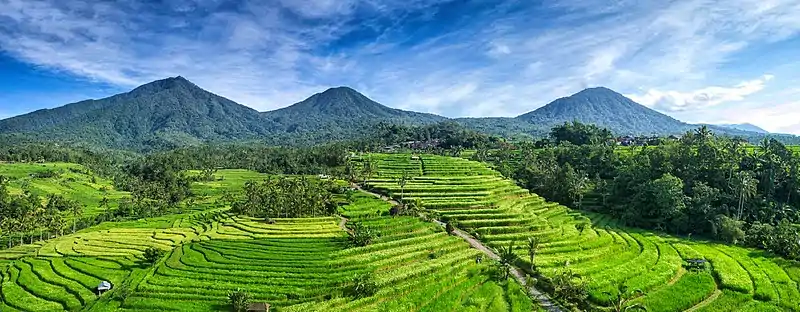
{"x": 544, "y": 301}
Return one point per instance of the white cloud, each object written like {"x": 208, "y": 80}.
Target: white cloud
{"x": 700, "y": 99}
{"x": 497, "y": 61}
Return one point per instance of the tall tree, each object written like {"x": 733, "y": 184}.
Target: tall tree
{"x": 745, "y": 187}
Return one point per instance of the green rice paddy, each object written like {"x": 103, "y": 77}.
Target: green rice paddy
{"x": 497, "y": 211}
{"x": 293, "y": 264}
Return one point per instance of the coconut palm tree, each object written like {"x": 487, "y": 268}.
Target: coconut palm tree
{"x": 368, "y": 171}
{"x": 402, "y": 182}
{"x": 75, "y": 209}
{"x": 745, "y": 187}
{"x": 507, "y": 258}
{"x": 620, "y": 302}
{"x": 533, "y": 245}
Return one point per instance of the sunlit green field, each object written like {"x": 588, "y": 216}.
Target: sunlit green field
{"x": 498, "y": 212}
{"x": 293, "y": 264}
{"x": 73, "y": 181}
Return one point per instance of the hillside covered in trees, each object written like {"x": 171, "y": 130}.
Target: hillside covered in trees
{"x": 174, "y": 112}
{"x": 701, "y": 184}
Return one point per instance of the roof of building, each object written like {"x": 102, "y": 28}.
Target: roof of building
{"x": 258, "y": 306}
{"x": 104, "y": 285}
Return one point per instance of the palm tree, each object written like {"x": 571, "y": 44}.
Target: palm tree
{"x": 104, "y": 204}
{"x": 745, "y": 187}
{"x": 402, "y": 182}
{"x": 369, "y": 169}
{"x": 703, "y": 133}
{"x": 507, "y": 258}
{"x": 75, "y": 209}
{"x": 533, "y": 245}
{"x": 4, "y": 230}
{"x": 620, "y": 300}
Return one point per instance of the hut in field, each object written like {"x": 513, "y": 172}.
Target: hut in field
{"x": 696, "y": 264}
{"x": 258, "y": 307}
{"x": 103, "y": 287}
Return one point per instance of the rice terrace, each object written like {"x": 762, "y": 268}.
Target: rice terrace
{"x": 309, "y": 264}
{"x": 399, "y": 156}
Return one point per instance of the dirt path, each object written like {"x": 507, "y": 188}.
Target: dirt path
{"x": 519, "y": 275}
{"x": 681, "y": 272}
{"x": 343, "y": 224}
{"x": 706, "y": 301}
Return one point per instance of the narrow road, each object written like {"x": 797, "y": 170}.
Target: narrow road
{"x": 518, "y": 273}
{"x": 343, "y": 224}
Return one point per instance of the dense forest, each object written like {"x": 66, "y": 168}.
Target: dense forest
{"x": 699, "y": 184}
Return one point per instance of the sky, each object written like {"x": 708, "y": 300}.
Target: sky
{"x": 700, "y": 61}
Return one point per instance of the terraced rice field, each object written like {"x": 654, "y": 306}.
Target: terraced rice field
{"x": 497, "y": 211}
{"x": 418, "y": 267}
{"x": 293, "y": 264}
{"x": 74, "y": 181}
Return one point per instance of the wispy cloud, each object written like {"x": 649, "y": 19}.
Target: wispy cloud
{"x": 481, "y": 58}
{"x": 702, "y": 98}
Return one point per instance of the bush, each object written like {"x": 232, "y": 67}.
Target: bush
{"x": 238, "y": 300}
{"x": 362, "y": 286}
{"x": 729, "y": 229}
{"x": 361, "y": 235}
{"x": 152, "y": 254}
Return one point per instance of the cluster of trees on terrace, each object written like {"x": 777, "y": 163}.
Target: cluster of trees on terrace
{"x": 449, "y": 134}
{"x": 287, "y": 197}
{"x": 25, "y": 217}
{"x": 701, "y": 184}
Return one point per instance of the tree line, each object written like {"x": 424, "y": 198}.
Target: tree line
{"x": 700, "y": 184}
{"x": 287, "y": 197}
{"x": 25, "y": 217}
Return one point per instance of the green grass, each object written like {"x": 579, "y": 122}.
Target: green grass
{"x": 498, "y": 212}
{"x": 73, "y": 181}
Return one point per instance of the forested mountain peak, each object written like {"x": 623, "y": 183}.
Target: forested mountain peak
{"x": 164, "y": 113}
{"x": 606, "y": 108}
{"x": 345, "y": 102}
{"x": 177, "y": 82}
{"x": 338, "y": 101}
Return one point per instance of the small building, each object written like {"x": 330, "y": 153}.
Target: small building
{"x": 258, "y": 307}
{"x": 103, "y": 287}
{"x": 696, "y": 264}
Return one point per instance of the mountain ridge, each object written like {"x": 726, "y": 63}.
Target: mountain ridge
{"x": 175, "y": 112}
{"x": 605, "y": 107}
{"x": 744, "y": 127}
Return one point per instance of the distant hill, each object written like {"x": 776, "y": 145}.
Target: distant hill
{"x": 606, "y": 108}
{"x": 340, "y": 113}
{"x": 161, "y": 114}
{"x": 744, "y": 127}
{"x": 174, "y": 112}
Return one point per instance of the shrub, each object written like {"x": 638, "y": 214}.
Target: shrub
{"x": 362, "y": 286}
{"x": 361, "y": 235}
{"x": 152, "y": 254}
{"x": 238, "y": 300}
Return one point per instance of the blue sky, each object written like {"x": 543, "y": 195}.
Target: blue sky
{"x": 728, "y": 61}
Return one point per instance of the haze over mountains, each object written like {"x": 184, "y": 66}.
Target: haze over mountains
{"x": 175, "y": 112}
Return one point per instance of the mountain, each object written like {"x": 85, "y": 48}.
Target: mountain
{"x": 338, "y": 113}
{"x": 605, "y": 108}
{"x": 744, "y": 127}
{"x": 343, "y": 104}
{"x": 160, "y": 114}
{"x": 175, "y": 112}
